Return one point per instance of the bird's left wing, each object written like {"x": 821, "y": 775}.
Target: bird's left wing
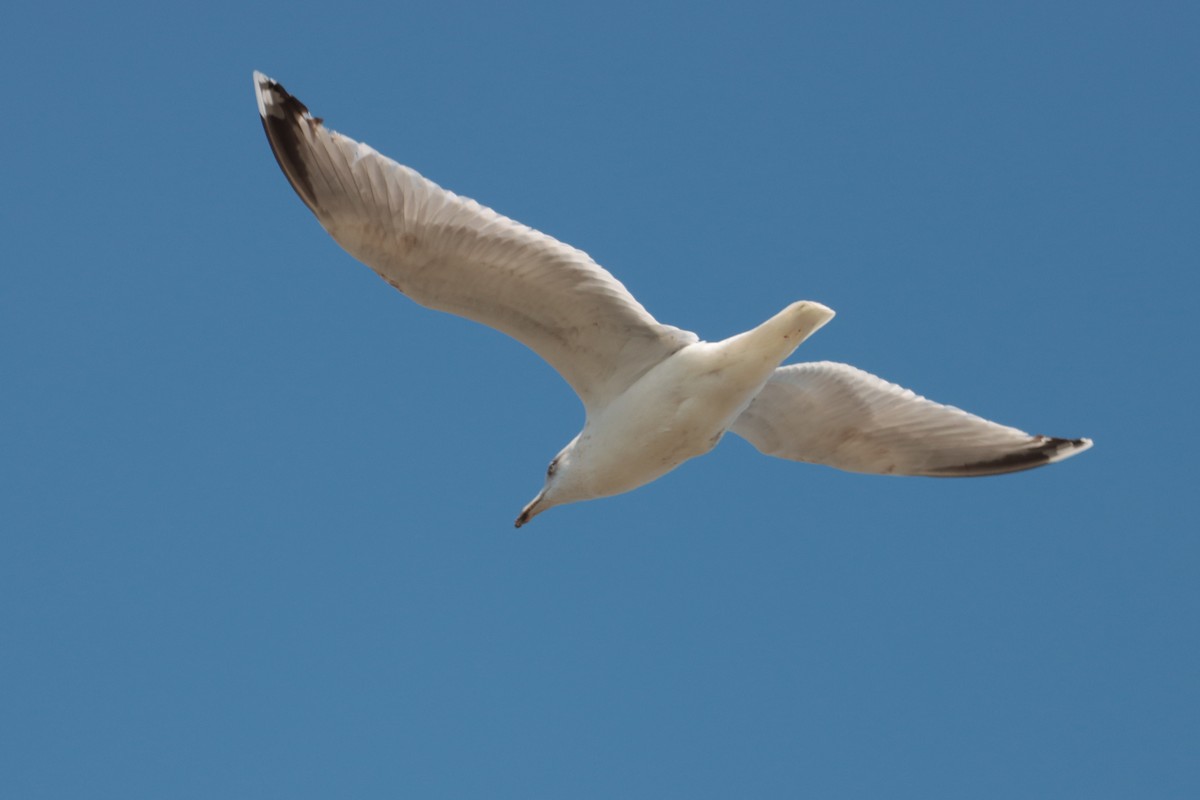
{"x": 835, "y": 414}
{"x": 450, "y": 253}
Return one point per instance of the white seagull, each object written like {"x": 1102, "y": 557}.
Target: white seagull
{"x": 655, "y": 395}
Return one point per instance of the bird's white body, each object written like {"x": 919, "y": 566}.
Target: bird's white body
{"x": 678, "y": 410}
{"x": 655, "y": 395}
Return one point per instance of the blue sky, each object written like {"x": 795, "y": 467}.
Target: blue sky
{"x": 257, "y": 506}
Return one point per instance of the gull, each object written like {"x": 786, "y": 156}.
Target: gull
{"x": 654, "y": 395}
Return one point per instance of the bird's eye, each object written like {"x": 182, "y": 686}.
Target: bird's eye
{"x": 550, "y": 469}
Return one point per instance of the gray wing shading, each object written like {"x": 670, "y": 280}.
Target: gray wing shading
{"x": 450, "y": 253}
{"x": 835, "y": 414}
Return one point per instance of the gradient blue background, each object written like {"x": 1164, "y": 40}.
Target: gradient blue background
{"x": 257, "y": 506}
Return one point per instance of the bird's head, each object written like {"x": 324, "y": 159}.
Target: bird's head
{"x": 562, "y": 485}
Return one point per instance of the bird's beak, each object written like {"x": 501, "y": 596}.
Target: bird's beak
{"x": 532, "y": 510}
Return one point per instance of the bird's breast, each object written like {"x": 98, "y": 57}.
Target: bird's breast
{"x": 677, "y": 411}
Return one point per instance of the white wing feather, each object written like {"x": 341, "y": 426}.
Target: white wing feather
{"x": 835, "y": 414}
{"x": 450, "y": 253}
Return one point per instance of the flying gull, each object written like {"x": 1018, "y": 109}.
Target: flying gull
{"x": 655, "y": 395}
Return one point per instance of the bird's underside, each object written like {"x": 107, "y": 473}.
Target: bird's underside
{"x": 450, "y": 253}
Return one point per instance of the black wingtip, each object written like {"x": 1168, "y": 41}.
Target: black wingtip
{"x": 282, "y": 116}
{"x": 1044, "y": 450}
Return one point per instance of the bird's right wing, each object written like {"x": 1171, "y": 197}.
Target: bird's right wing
{"x": 835, "y": 414}
{"x": 450, "y": 253}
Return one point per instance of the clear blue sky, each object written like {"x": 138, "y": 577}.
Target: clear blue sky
{"x": 257, "y": 507}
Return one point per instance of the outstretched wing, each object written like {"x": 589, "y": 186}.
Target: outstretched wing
{"x": 835, "y": 414}
{"x": 450, "y": 253}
